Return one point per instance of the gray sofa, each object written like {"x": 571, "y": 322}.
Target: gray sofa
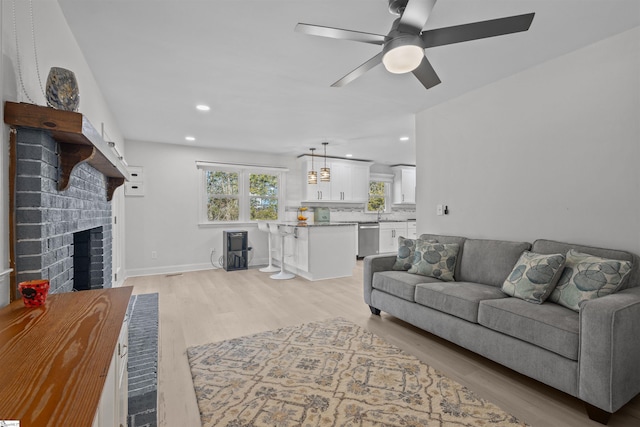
{"x": 591, "y": 354}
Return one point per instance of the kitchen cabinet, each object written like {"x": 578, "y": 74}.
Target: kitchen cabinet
{"x": 296, "y": 248}
{"x": 341, "y": 181}
{"x": 404, "y": 184}
{"x": 360, "y": 182}
{"x": 349, "y": 181}
{"x": 412, "y": 230}
{"x": 389, "y": 233}
{"x": 114, "y": 403}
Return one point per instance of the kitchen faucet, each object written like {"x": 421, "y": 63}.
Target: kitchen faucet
{"x": 379, "y": 214}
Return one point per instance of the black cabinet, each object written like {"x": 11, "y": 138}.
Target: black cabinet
{"x": 235, "y": 244}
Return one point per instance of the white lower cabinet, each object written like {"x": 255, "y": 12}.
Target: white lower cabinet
{"x": 389, "y": 233}
{"x": 412, "y": 232}
{"x": 113, "y": 408}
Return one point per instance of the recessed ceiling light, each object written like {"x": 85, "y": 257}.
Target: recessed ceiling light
{"x": 348, "y": 155}
{"x": 203, "y": 107}
{"x": 190, "y": 138}
{"x": 404, "y": 138}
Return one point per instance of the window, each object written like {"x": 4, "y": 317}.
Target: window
{"x": 377, "y": 196}
{"x": 240, "y": 193}
{"x": 379, "y": 193}
{"x": 223, "y": 197}
{"x": 263, "y": 199}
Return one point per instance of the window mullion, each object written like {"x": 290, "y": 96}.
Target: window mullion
{"x": 243, "y": 195}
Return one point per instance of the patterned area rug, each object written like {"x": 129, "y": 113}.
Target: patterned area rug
{"x": 329, "y": 373}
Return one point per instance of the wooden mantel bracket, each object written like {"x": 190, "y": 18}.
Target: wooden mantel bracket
{"x": 112, "y": 184}
{"x": 71, "y": 155}
{"x": 78, "y": 140}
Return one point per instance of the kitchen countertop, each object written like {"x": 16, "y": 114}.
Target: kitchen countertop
{"x": 321, "y": 224}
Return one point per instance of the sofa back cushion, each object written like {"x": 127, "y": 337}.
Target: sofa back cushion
{"x": 543, "y": 246}
{"x": 448, "y": 239}
{"x": 489, "y": 261}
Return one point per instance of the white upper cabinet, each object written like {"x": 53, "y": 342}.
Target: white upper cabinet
{"x": 404, "y": 184}
{"x": 349, "y": 181}
{"x": 360, "y": 182}
{"x": 314, "y": 192}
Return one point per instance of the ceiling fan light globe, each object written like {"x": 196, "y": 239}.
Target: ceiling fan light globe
{"x": 402, "y": 52}
{"x": 403, "y": 59}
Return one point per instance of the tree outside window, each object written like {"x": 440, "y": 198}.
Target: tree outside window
{"x": 377, "y": 196}
{"x": 263, "y": 196}
{"x": 223, "y": 202}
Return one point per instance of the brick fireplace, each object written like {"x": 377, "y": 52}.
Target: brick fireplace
{"x": 46, "y": 220}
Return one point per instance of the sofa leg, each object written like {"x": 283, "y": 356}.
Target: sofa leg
{"x": 374, "y": 310}
{"x": 597, "y": 414}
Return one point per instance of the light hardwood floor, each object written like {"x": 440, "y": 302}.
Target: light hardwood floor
{"x": 215, "y": 305}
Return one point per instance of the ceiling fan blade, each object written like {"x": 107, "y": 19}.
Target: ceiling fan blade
{"x": 477, "y": 30}
{"x": 415, "y": 15}
{"x": 359, "y": 71}
{"x": 426, "y": 74}
{"x": 337, "y": 33}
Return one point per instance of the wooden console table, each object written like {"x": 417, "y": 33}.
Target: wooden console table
{"x": 55, "y": 359}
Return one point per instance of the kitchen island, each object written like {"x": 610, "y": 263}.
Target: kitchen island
{"x": 319, "y": 251}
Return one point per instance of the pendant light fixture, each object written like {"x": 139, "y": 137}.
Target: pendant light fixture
{"x": 325, "y": 172}
{"x": 312, "y": 175}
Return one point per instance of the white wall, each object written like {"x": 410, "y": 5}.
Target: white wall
{"x": 55, "y": 46}
{"x": 552, "y": 152}
{"x": 165, "y": 219}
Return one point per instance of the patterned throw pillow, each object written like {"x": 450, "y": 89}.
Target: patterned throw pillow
{"x": 435, "y": 260}
{"x": 586, "y": 277}
{"x": 534, "y": 276}
{"x": 406, "y": 252}
{"x": 406, "y": 249}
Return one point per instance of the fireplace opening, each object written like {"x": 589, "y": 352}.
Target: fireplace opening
{"x": 88, "y": 259}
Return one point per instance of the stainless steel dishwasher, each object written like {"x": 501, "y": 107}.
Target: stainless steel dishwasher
{"x": 368, "y": 238}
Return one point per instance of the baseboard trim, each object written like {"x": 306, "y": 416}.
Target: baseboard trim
{"x": 138, "y": 272}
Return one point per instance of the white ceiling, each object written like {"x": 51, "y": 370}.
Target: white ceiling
{"x": 269, "y": 87}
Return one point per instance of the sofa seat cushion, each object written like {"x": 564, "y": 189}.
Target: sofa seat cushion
{"x": 547, "y": 325}
{"x": 399, "y": 283}
{"x": 459, "y": 299}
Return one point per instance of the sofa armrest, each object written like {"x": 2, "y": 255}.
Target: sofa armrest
{"x": 373, "y": 264}
{"x": 609, "y": 372}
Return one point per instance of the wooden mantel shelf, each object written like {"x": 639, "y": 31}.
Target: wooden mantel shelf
{"x": 79, "y": 141}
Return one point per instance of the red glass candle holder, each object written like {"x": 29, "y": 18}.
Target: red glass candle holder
{"x": 34, "y": 292}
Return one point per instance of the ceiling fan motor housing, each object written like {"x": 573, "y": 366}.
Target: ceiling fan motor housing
{"x": 396, "y": 7}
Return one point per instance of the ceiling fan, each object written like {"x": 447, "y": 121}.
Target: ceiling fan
{"x": 404, "y": 45}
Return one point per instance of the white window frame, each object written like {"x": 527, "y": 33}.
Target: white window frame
{"x": 244, "y": 206}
